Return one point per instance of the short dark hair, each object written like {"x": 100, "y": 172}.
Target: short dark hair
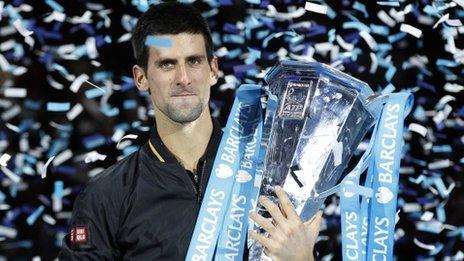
{"x": 169, "y": 18}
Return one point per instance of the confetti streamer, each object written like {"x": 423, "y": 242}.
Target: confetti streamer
{"x": 128, "y": 136}
{"x": 21, "y": 29}
{"x": 15, "y": 93}
{"x": 78, "y": 82}
{"x": 158, "y": 41}
{"x": 74, "y": 112}
{"x": 411, "y": 30}
{"x": 62, "y": 157}
{"x": 44, "y": 168}
{"x": 316, "y": 8}
{"x": 58, "y": 106}
{"x": 33, "y": 217}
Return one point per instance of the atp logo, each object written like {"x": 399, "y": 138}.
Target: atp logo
{"x": 383, "y": 195}
{"x": 243, "y": 176}
{"x": 223, "y": 171}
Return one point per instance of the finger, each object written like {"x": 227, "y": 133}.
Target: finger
{"x": 265, "y": 223}
{"x": 286, "y": 204}
{"x": 264, "y": 241}
{"x": 273, "y": 209}
{"x": 314, "y": 223}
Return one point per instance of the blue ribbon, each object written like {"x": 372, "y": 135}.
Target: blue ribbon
{"x": 386, "y": 165}
{"x": 240, "y": 130}
{"x": 368, "y": 226}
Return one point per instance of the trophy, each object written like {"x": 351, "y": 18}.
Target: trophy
{"x": 321, "y": 117}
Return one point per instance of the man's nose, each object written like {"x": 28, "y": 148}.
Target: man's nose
{"x": 183, "y": 75}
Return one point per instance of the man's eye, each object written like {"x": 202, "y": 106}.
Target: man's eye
{"x": 195, "y": 61}
{"x": 166, "y": 65}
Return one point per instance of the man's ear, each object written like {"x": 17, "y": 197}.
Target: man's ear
{"x": 214, "y": 71}
{"x": 140, "y": 78}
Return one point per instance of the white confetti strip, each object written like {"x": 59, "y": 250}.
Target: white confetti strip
{"x": 128, "y": 136}
{"x": 454, "y": 22}
{"x": 343, "y": 44}
{"x": 417, "y": 128}
{"x": 11, "y": 113}
{"x": 444, "y": 100}
{"x": 94, "y": 172}
{"x": 74, "y": 112}
{"x": 48, "y": 219}
{"x": 30, "y": 41}
{"x": 78, "y": 81}
{"x": 15, "y": 92}
{"x": 91, "y": 47}
{"x": 15, "y": 178}
{"x": 440, "y": 164}
{"x": 124, "y": 38}
{"x": 55, "y": 16}
{"x": 4, "y": 64}
{"x": 21, "y": 29}
{"x": 117, "y": 135}
{"x": 453, "y": 87}
{"x": 62, "y": 157}
{"x": 385, "y": 18}
{"x": 7, "y": 45}
{"x": 4, "y": 159}
{"x": 8, "y": 232}
{"x": 427, "y": 216}
{"x": 94, "y": 156}
{"x": 54, "y": 83}
{"x": 12, "y": 127}
{"x": 44, "y": 168}
{"x": 411, "y": 207}
{"x": 459, "y": 2}
{"x": 397, "y": 15}
{"x": 2, "y": 4}
{"x": 369, "y": 40}
{"x": 411, "y": 30}
{"x": 424, "y": 246}
{"x": 374, "y": 63}
{"x": 441, "y": 20}
{"x": 316, "y": 8}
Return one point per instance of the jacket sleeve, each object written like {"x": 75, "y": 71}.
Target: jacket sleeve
{"x": 93, "y": 226}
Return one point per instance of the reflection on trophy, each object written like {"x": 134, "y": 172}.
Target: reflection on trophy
{"x": 321, "y": 118}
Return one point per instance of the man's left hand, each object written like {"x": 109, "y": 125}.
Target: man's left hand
{"x": 289, "y": 238}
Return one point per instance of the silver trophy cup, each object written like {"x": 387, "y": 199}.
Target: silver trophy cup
{"x": 321, "y": 118}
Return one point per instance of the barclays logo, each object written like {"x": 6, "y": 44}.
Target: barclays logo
{"x": 243, "y": 176}
{"x": 383, "y": 195}
{"x": 223, "y": 171}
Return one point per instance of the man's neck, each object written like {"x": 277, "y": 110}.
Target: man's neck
{"x": 188, "y": 142}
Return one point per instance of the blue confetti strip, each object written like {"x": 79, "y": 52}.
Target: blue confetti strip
{"x": 58, "y": 106}
{"x": 158, "y": 41}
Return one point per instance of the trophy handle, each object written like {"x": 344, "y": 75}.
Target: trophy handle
{"x": 375, "y": 102}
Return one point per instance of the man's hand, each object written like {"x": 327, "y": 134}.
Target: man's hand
{"x": 289, "y": 238}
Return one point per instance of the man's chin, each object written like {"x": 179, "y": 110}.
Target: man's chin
{"x": 185, "y": 115}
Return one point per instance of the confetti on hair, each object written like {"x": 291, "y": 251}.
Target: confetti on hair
{"x": 158, "y": 41}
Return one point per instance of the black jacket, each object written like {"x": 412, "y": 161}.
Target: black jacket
{"x": 141, "y": 208}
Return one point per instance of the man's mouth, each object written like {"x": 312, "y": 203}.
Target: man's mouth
{"x": 183, "y": 94}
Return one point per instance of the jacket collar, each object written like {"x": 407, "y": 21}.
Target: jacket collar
{"x": 161, "y": 153}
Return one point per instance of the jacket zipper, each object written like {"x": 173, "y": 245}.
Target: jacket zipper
{"x": 201, "y": 179}
{"x": 193, "y": 184}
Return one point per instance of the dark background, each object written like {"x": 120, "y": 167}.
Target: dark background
{"x": 50, "y": 133}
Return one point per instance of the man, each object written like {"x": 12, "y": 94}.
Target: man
{"x": 145, "y": 206}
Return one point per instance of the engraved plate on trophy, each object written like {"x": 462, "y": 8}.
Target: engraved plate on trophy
{"x": 295, "y": 100}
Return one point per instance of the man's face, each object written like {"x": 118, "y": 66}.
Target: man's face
{"x": 179, "y": 77}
